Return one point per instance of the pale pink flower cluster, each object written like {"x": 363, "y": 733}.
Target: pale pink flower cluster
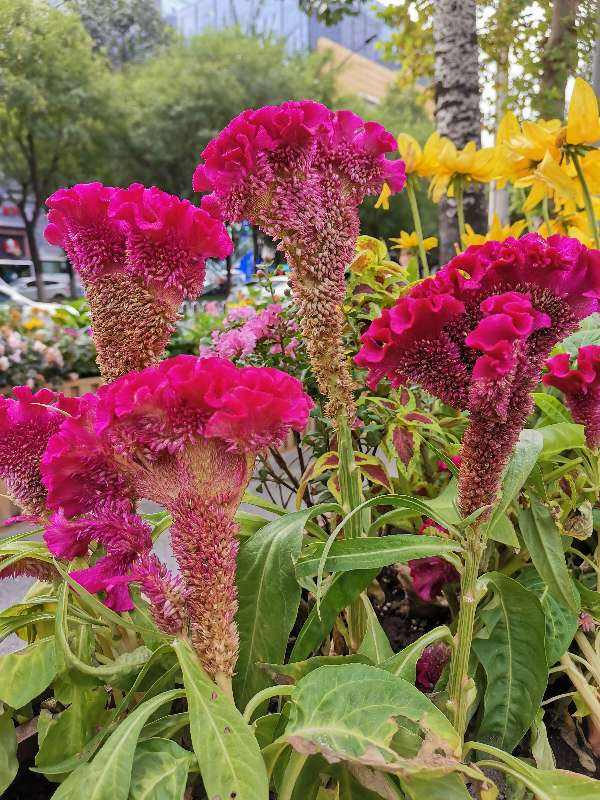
{"x": 237, "y": 341}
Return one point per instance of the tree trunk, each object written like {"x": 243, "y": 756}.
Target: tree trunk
{"x": 596, "y": 62}
{"x": 559, "y": 59}
{"x": 30, "y": 225}
{"x": 457, "y": 111}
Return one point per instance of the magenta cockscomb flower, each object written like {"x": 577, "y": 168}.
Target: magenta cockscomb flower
{"x": 184, "y": 433}
{"x": 299, "y": 171}
{"x": 27, "y": 421}
{"x": 140, "y": 252}
{"x": 476, "y": 335}
{"x": 580, "y": 385}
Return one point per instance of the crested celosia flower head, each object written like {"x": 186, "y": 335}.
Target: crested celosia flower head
{"x": 27, "y": 421}
{"x": 299, "y": 172}
{"x": 166, "y": 408}
{"x": 140, "y": 252}
{"x": 168, "y": 239}
{"x": 476, "y": 336}
{"x": 580, "y": 385}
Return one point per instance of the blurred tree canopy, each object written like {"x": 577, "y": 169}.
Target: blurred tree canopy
{"x": 53, "y": 104}
{"x": 124, "y": 30}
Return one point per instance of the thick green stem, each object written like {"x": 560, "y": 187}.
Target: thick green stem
{"x": 459, "y": 192}
{"x": 586, "y": 692}
{"x": 414, "y": 210}
{"x": 352, "y": 497}
{"x": 459, "y": 682}
{"x": 291, "y": 775}
{"x": 587, "y": 199}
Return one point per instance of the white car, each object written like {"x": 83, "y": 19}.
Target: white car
{"x": 56, "y": 287}
{"x": 8, "y": 294}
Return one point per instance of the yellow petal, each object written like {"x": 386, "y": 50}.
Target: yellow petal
{"x": 383, "y": 201}
{"x": 410, "y": 152}
{"x": 429, "y": 243}
{"x": 507, "y": 128}
{"x": 538, "y": 192}
{"x": 583, "y": 123}
{"x": 551, "y": 173}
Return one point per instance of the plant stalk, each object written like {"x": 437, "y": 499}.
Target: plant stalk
{"x": 458, "y": 683}
{"x": 352, "y": 496}
{"x": 459, "y": 194}
{"x": 414, "y": 210}
{"x": 587, "y": 199}
{"x": 266, "y": 694}
{"x": 223, "y": 681}
{"x": 587, "y": 693}
{"x": 291, "y": 774}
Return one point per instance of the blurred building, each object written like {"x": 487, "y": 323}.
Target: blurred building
{"x": 351, "y": 42}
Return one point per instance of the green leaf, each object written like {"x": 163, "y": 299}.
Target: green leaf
{"x": 292, "y": 672}
{"x": 514, "y": 659}
{"x": 343, "y": 589}
{"x": 68, "y": 733}
{"x": 372, "y": 552}
{"x": 25, "y": 674}
{"x": 227, "y": 751}
{"x": 269, "y": 596}
{"x": 350, "y": 713}
{"x": 160, "y": 770}
{"x": 544, "y": 543}
{"x": 551, "y": 407}
{"x": 590, "y": 600}
{"x": 560, "y": 437}
{"x": 561, "y": 623}
{"x": 165, "y": 727}
{"x": 108, "y": 776}
{"x": 556, "y": 784}
{"x": 523, "y": 460}
{"x": 9, "y": 766}
{"x": 404, "y": 663}
{"x": 375, "y": 644}
{"x": 540, "y": 746}
{"x": 587, "y": 333}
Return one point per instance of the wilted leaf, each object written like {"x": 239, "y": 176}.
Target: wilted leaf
{"x": 160, "y": 769}
{"x": 25, "y": 674}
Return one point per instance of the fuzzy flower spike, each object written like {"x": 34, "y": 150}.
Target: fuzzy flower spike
{"x": 476, "y": 336}
{"x": 139, "y": 252}
{"x": 185, "y": 433}
{"x": 299, "y": 172}
{"x": 581, "y": 387}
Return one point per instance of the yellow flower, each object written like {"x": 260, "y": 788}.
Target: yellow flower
{"x": 549, "y": 180}
{"x": 423, "y": 162}
{"x": 496, "y": 233}
{"x": 372, "y": 254}
{"x": 470, "y": 163}
{"x": 33, "y": 323}
{"x": 521, "y": 148}
{"x": 410, "y": 241}
{"x": 383, "y": 201}
{"x": 583, "y": 122}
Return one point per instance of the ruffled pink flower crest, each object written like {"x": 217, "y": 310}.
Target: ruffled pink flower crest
{"x": 298, "y": 134}
{"x": 27, "y": 422}
{"x": 482, "y": 318}
{"x": 580, "y": 385}
{"x": 168, "y": 239}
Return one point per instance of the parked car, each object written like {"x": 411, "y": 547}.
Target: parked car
{"x": 56, "y": 287}
{"x": 9, "y": 294}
